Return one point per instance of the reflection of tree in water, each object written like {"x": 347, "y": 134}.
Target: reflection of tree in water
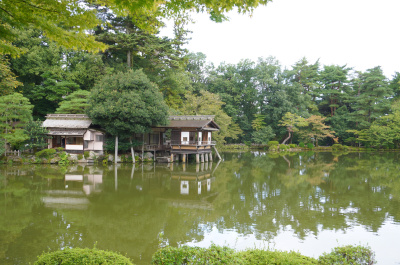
{"x": 23, "y": 235}
{"x": 263, "y": 195}
{"x": 258, "y": 194}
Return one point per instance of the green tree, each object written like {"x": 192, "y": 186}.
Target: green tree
{"x": 304, "y": 77}
{"x": 75, "y": 103}
{"x": 50, "y": 73}
{"x": 292, "y": 122}
{"x": 334, "y": 86}
{"x": 126, "y": 103}
{"x": 315, "y": 129}
{"x": 37, "y": 135}
{"x": 263, "y": 135}
{"x": 370, "y": 97}
{"x": 8, "y": 81}
{"x": 15, "y": 112}
{"x": 65, "y": 22}
{"x": 210, "y": 104}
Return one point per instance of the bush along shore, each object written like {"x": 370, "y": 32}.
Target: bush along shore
{"x": 355, "y": 255}
{"x": 60, "y": 157}
{"x": 274, "y": 146}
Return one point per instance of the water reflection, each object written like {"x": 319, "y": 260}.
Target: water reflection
{"x": 309, "y": 202}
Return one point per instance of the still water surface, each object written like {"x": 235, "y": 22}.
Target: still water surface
{"x": 307, "y": 202}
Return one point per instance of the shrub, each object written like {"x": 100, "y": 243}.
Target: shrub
{"x": 273, "y": 147}
{"x": 336, "y": 147}
{"x": 86, "y": 154}
{"x": 225, "y": 255}
{"x": 283, "y": 147}
{"x": 270, "y": 143}
{"x": 45, "y": 153}
{"x": 292, "y": 145}
{"x": 310, "y": 146}
{"x": 82, "y": 256}
{"x": 60, "y": 149}
{"x": 80, "y": 156}
{"x": 63, "y": 159}
{"x": 257, "y": 256}
{"x": 195, "y": 255}
{"x": 348, "y": 255}
{"x": 302, "y": 145}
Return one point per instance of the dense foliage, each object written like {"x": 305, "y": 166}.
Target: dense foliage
{"x": 253, "y": 102}
{"x": 357, "y": 255}
{"x": 82, "y": 256}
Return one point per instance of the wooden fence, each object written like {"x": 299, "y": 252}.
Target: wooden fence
{"x": 13, "y": 153}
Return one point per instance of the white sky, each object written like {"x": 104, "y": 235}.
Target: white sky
{"x": 360, "y": 33}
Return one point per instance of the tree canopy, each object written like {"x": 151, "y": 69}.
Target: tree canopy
{"x": 127, "y": 103}
{"x": 67, "y": 22}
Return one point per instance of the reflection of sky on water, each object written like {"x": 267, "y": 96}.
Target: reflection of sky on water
{"x": 383, "y": 243}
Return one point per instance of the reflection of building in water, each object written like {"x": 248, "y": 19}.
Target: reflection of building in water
{"x": 72, "y": 194}
{"x": 191, "y": 186}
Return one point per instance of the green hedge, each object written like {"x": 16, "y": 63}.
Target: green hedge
{"x": 77, "y": 256}
{"x": 195, "y": 255}
{"x": 223, "y": 255}
{"x": 257, "y": 256}
{"x": 283, "y": 147}
{"x": 348, "y": 255}
{"x": 270, "y": 143}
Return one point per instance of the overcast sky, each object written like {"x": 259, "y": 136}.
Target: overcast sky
{"x": 360, "y": 33}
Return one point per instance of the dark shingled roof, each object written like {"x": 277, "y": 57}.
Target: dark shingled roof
{"x": 204, "y": 122}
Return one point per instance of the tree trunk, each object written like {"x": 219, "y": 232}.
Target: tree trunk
{"x": 116, "y": 150}
{"x": 132, "y": 151}
{"x": 284, "y": 141}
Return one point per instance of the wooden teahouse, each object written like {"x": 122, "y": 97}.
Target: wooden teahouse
{"x": 74, "y": 132}
{"x": 189, "y": 135}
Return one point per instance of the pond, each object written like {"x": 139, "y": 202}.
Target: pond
{"x": 307, "y": 202}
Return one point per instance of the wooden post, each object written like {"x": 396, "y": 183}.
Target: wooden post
{"x": 206, "y": 157}
{"x": 197, "y": 158}
{"x": 132, "y": 151}
{"x": 202, "y": 158}
{"x": 210, "y": 155}
{"x": 183, "y": 158}
{"x": 116, "y": 150}
{"x": 216, "y": 151}
{"x": 172, "y": 158}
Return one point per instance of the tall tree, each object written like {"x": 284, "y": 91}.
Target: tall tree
{"x": 126, "y": 103}
{"x": 15, "y": 112}
{"x": 370, "y": 97}
{"x": 334, "y": 86}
